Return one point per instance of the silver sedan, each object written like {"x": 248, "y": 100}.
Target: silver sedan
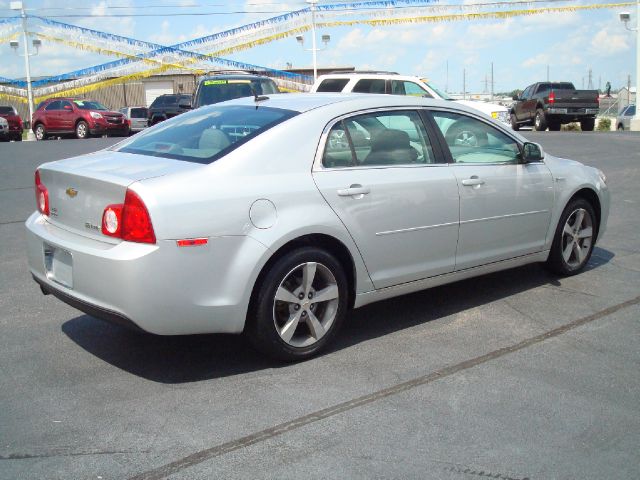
{"x": 275, "y": 216}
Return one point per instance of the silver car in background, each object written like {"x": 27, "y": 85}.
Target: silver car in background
{"x": 137, "y": 116}
{"x": 275, "y": 216}
{"x": 623, "y": 121}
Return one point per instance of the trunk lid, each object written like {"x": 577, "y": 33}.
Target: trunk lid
{"x": 80, "y": 188}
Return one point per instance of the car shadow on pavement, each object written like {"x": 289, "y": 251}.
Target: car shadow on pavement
{"x": 191, "y": 358}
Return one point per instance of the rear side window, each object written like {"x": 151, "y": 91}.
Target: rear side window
{"x": 55, "y": 105}
{"x": 7, "y": 111}
{"x": 205, "y": 134}
{"x": 367, "y": 85}
{"x": 332, "y": 85}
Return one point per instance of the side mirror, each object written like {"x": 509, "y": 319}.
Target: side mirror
{"x": 516, "y": 97}
{"x": 531, "y": 152}
{"x": 68, "y": 107}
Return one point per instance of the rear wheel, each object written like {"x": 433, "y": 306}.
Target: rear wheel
{"x": 540, "y": 121}
{"x": 82, "y": 130}
{"x": 40, "y": 132}
{"x": 574, "y": 239}
{"x": 300, "y": 305}
{"x": 587, "y": 124}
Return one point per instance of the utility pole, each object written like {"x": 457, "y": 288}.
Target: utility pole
{"x": 547, "y": 73}
{"x": 464, "y": 84}
{"x": 590, "y": 85}
{"x": 492, "y": 81}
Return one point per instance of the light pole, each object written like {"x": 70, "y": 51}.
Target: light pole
{"x": 325, "y": 39}
{"x": 625, "y": 17}
{"x": 36, "y": 44}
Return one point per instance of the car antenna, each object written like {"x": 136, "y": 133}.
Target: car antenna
{"x": 257, "y": 98}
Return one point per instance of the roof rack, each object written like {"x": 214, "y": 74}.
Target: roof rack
{"x": 368, "y": 72}
{"x": 234, "y": 72}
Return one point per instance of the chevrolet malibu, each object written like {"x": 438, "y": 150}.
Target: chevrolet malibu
{"x": 274, "y": 216}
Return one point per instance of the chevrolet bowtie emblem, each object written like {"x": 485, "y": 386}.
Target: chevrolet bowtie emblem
{"x": 72, "y": 192}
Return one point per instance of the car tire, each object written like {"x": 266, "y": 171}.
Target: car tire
{"x": 574, "y": 238}
{"x": 588, "y": 124}
{"x": 514, "y": 122}
{"x": 17, "y": 138}
{"x": 540, "y": 121}
{"x": 461, "y": 134}
{"x": 284, "y": 320}
{"x": 40, "y": 132}
{"x": 82, "y": 130}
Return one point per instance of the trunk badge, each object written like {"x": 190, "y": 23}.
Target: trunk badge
{"x": 72, "y": 192}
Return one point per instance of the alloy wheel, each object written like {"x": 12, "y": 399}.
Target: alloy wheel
{"x": 305, "y": 304}
{"x": 577, "y": 236}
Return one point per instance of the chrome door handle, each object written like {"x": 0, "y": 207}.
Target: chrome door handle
{"x": 353, "y": 190}
{"x": 470, "y": 182}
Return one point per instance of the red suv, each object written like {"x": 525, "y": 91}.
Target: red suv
{"x": 63, "y": 116}
{"x": 14, "y": 123}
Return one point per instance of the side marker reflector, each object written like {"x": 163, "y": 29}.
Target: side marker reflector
{"x": 192, "y": 242}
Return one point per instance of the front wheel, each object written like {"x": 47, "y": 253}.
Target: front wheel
{"x": 82, "y": 130}
{"x": 300, "y": 305}
{"x": 574, "y": 238}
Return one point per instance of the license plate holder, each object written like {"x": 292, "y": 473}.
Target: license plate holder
{"x": 58, "y": 264}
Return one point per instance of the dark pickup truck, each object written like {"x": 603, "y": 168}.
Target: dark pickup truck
{"x": 551, "y": 104}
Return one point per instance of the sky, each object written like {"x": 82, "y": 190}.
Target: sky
{"x": 520, "y": 48}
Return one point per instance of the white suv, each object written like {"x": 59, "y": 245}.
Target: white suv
{"x": 396, "y": 84}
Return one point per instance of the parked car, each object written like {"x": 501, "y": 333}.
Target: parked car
{"x": 222, "y": 87}
{"x": 138, "y": 118}
{"x": 276, "y": 217}
{"x": 168, "y": 106}
{"x": 623, "y": 121}
{"x": 74, "y": 116}
{"x": 395, "y": 84}
{"x": 552, "y": 104}
{"x": 14, "y": 124}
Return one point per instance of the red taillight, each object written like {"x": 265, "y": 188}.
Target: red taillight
{"x": 552, "y": 97}
{"x": 129, "y": 221}
{"x": 42, "y": 195}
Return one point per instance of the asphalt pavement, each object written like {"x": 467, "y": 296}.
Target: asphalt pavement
{"x": 515, "y": 375}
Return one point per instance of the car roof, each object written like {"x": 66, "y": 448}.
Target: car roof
{"x": 302, "y": 102}
{"x": 369, "y": 74}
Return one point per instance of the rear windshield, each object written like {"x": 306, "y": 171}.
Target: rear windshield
{"x": 139, "y": 113}
{"x": 7, "y": 110}
{"x": 219, "y": 90}
{"x": 204, "y": 135}
{"x": 89, "y": 105}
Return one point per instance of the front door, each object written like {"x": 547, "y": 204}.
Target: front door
{"x": 380, "y": 174}
{"x": 505, "y": 205}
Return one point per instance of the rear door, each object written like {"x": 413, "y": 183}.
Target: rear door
{"x": 505, "y": 206}
{"x": 67, "y": 116}
{"x": 52, "y": 116}
{"x": 380, "y": 173}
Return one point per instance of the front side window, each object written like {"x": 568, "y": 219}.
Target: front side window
{"x": 206, "y": 134}
{"x": 473, "y": 141}
{"x": 378, "y": 139}
{"x": 401, "y": 87}
{"x": 65, "y": 105}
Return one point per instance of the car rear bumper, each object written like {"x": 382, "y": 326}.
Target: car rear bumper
{"x": 162, "y": 288}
